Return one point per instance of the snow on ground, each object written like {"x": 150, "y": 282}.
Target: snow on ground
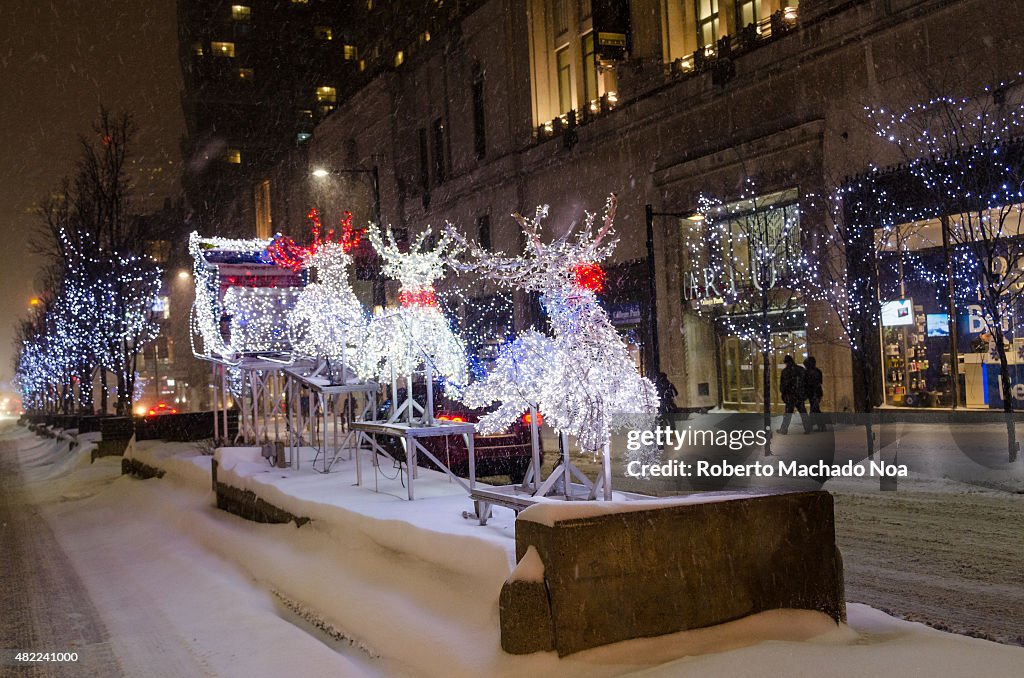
{"x": 398, "y": 578}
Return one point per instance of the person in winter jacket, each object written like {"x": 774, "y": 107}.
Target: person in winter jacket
{"x": 791, "y": 387}
{"x": 813, "y": 379}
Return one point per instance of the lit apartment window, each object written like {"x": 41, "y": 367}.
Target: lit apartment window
{"x": 262, "y": 204}
{"x": 747, "y": 12}
{"x": 323, "y": 32}
{"x": 350, "y": 52}
{"x": 563, "y": 64}
{"x": 589, "y": 69}
{"x": 224, "y": 49}
{"x": 246, "y": 74}
{"x": 305, "y": 114}
{"x": 241, "y": 12}
{"x": 233, "y": 156}
{"x": 362, "y": 65}
{"x": 197, "y": 49}
{"x": 399, "y": 58}
{"x": 707, "y": 22}
{"x": 300, "y": 2}
{"x": 326, "y": 94}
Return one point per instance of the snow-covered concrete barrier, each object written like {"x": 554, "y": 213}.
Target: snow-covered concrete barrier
{"x": 595, "y": 573}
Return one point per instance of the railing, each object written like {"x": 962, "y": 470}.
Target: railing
{"x": 750, "y": 37}
{"x": 568, "y": 122}
{"x": 716, "y": 58}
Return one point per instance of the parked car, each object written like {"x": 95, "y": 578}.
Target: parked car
{"x": 507, "y": 453}
{"x": 161, "y": 408}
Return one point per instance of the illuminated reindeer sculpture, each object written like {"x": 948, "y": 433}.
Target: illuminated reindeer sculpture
{"x": 416, "y": 334}
{"x": 582, "y": 380}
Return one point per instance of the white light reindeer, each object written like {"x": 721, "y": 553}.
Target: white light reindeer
{"x": 415, "y": 334}
{"x": 583, "y": 380}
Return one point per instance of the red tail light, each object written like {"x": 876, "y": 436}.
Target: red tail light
{"x": 457, "y": 418}
{"x": 527, "y": 418}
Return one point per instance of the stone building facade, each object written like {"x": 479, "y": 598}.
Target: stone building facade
{"x": 520, "y": 104}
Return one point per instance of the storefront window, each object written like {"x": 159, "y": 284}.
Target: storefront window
{"x": 937, "y": 337}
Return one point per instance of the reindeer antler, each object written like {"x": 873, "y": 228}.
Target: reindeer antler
{"x": 609, "y": 218}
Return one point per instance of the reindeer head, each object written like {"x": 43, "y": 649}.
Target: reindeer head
{"x": 418, "y": 268}
{"x": 325, "y": 254}
{"x": 569, "y": 266}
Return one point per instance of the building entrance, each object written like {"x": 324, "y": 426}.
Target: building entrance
{"x": 741, "y": 369}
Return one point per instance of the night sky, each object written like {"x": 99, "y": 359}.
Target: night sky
{"x": 59, "y": 61}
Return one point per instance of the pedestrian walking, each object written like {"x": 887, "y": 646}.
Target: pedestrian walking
{"x": 791, "y": 387}
{"x": 667, "y": 393}
{"x": 813, "y": 379}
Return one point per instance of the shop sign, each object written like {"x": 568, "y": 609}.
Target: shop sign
{"x": 716, "y": 284}
{"x": 625, "y": 314}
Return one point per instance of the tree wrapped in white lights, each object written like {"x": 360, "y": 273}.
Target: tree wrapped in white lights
{"x": 401, "y": 340}
{"x": 966, "y": 152}
{"x": 583, "y": 380}
{"x": 753, "y": 270}
{"x": 327, "y": 319}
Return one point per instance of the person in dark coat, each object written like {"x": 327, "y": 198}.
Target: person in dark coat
{"x": 791, "y": 387}
{"x": 667, "y": 393}
{"x": 813, "y": 380}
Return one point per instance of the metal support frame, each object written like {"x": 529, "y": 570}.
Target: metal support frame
{"x": 326, "y": 422}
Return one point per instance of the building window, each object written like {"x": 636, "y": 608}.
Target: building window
{"x": 241, "y": 12}
{"x": 439, "y": 159}
{"x": 300, "y": 2}
{"x": 246, "y": 74}
{"x": 747, "y": 12}
{"x": 323, "y": 32}
{"x": 707, "y": 22}
{"x": 424, "y": 160}
{"x": 590, "y": 91}
{"x": 224, "y": 49}
{"x": 479, "y": 121}
{"x": 350, "y": 52}
{"x": 561, "y": 12}
{"x": 399, "y": 58}
{"x": 233, "y": 156}
{"x": 197, "y": 49}
{"x": 264, "y": 227}
{"x": 483, "y": 230}
{"x": 563, "y": 64}
{"x": 325, "y": 94}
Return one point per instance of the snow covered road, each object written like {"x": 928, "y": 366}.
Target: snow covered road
{"x": 953, "y": 560}
{"x": 171, "y": 586}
